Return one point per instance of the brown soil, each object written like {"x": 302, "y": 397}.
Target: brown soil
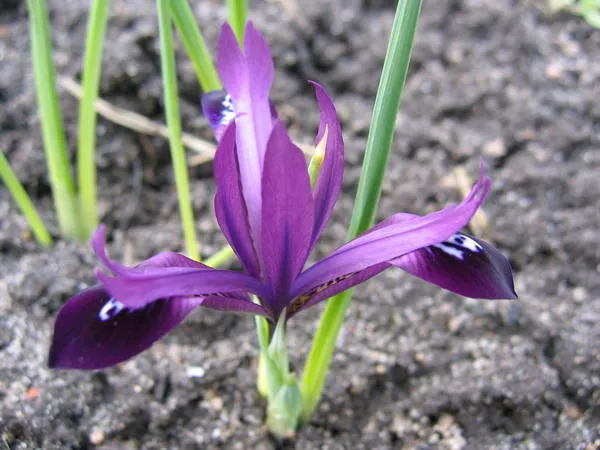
{"x": 416, "y": 368}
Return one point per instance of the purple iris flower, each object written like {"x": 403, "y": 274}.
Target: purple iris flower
{"x": 271, "y": 217}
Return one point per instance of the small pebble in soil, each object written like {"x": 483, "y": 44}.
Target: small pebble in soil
{"x": 96, "y": 437}
{"x": 195, "y": 372}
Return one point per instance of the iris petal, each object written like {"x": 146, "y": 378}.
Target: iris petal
{"x": 105, "y": 325}
{"x": 93, "y": 331}
{"x": 464, "y": 265}
{"x": 168, "y": 275}
{"x": 163, "y": 262}
{"x": 231, "y": 63}
{"x": 149, "y": 286}
{"x": 248, "y": 76}
{"x": 329, "y": 182}
{"x": 393, "y": 239}
{"x": 230, "y": 207}
{"x": 288, "y": 213}
{"x": 333, "y": 287}
{"x": 233, "y": 302}
{"x": 217, "y": 106}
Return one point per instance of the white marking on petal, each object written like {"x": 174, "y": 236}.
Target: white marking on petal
{"x": 228, "y": 112}
{"x": 457, "y": 244}
{"x": 449, "y": 250}
{"x": 110, "y": 309}
{"x": 465, "y": 242}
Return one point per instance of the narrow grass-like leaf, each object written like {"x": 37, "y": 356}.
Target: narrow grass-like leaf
{"x": 55, "y": 144}
{"x": 24, "y": 202}
{"x": 377, "y": 151}
{"x": 167, "y": 59}
{"x": 220, "y": 258}
{"x": 86, "y": 145}
{"x": 237, "y": 16}
{"x": 194, "y": 44}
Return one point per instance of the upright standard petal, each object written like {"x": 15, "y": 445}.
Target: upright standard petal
{"x": 231, "y": 63}
{"x": 94, "y": 331}
{"x": 248, "y": 77}
{"x": 230, "y": 207}
{"x": 391, "y": 240}
{"x": 329, "y": 183}
{"x": 218, "y": 108}
{"x": 288, "y": 214}
{"x": 464, "y": 265}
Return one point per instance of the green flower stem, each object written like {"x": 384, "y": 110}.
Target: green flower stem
{"x": 220, "y": 258}
{"x": 262, "y": 383}
{"x": 263, "y": 329}
{"x": 377, "y": 151}
{"x": 194, "y": 44}
{"x": 86, "y": 161}
{"x": 167, "y": 59}
{"x": 24, "y": 202}
{"x": 283, "y": 393}
{"x": 55, "y": 144}
{"x": 238, "y": 14}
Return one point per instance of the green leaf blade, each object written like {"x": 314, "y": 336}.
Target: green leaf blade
{"x": 375, "y": 161}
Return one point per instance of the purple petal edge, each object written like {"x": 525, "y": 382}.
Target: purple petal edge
{"x": 287, "y": 215}
{"x": 218, "y": 109}
{"x": 248, "y": 76}
{"x": 135, "y": 292}
{"x": 93, "y": 331}
{"x": 333, "y": 287}
{"x": 464, "y": 265}
{"x": 329, "y": 182}
{"x": 393, "y": 239}
{"x": 230, "y": 207}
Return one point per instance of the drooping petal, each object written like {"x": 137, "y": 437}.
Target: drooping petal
{"x": 329, "y": 183}
{"x": 392, "y": 240}
{"x": 248, "y": 77}
{"x": 230, "y": 207}
{"x": 168, "y": 275}
{"x": 218, "y": 109}
{"x": 93, "y": 331}
{"x": 136, "y": 291}
{"x": 464, "y": 265}
{"x": 171, "y": 260}
{"x": 288, "y": 214}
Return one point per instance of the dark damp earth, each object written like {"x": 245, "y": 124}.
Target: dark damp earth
{"x": 416, "y": 368}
